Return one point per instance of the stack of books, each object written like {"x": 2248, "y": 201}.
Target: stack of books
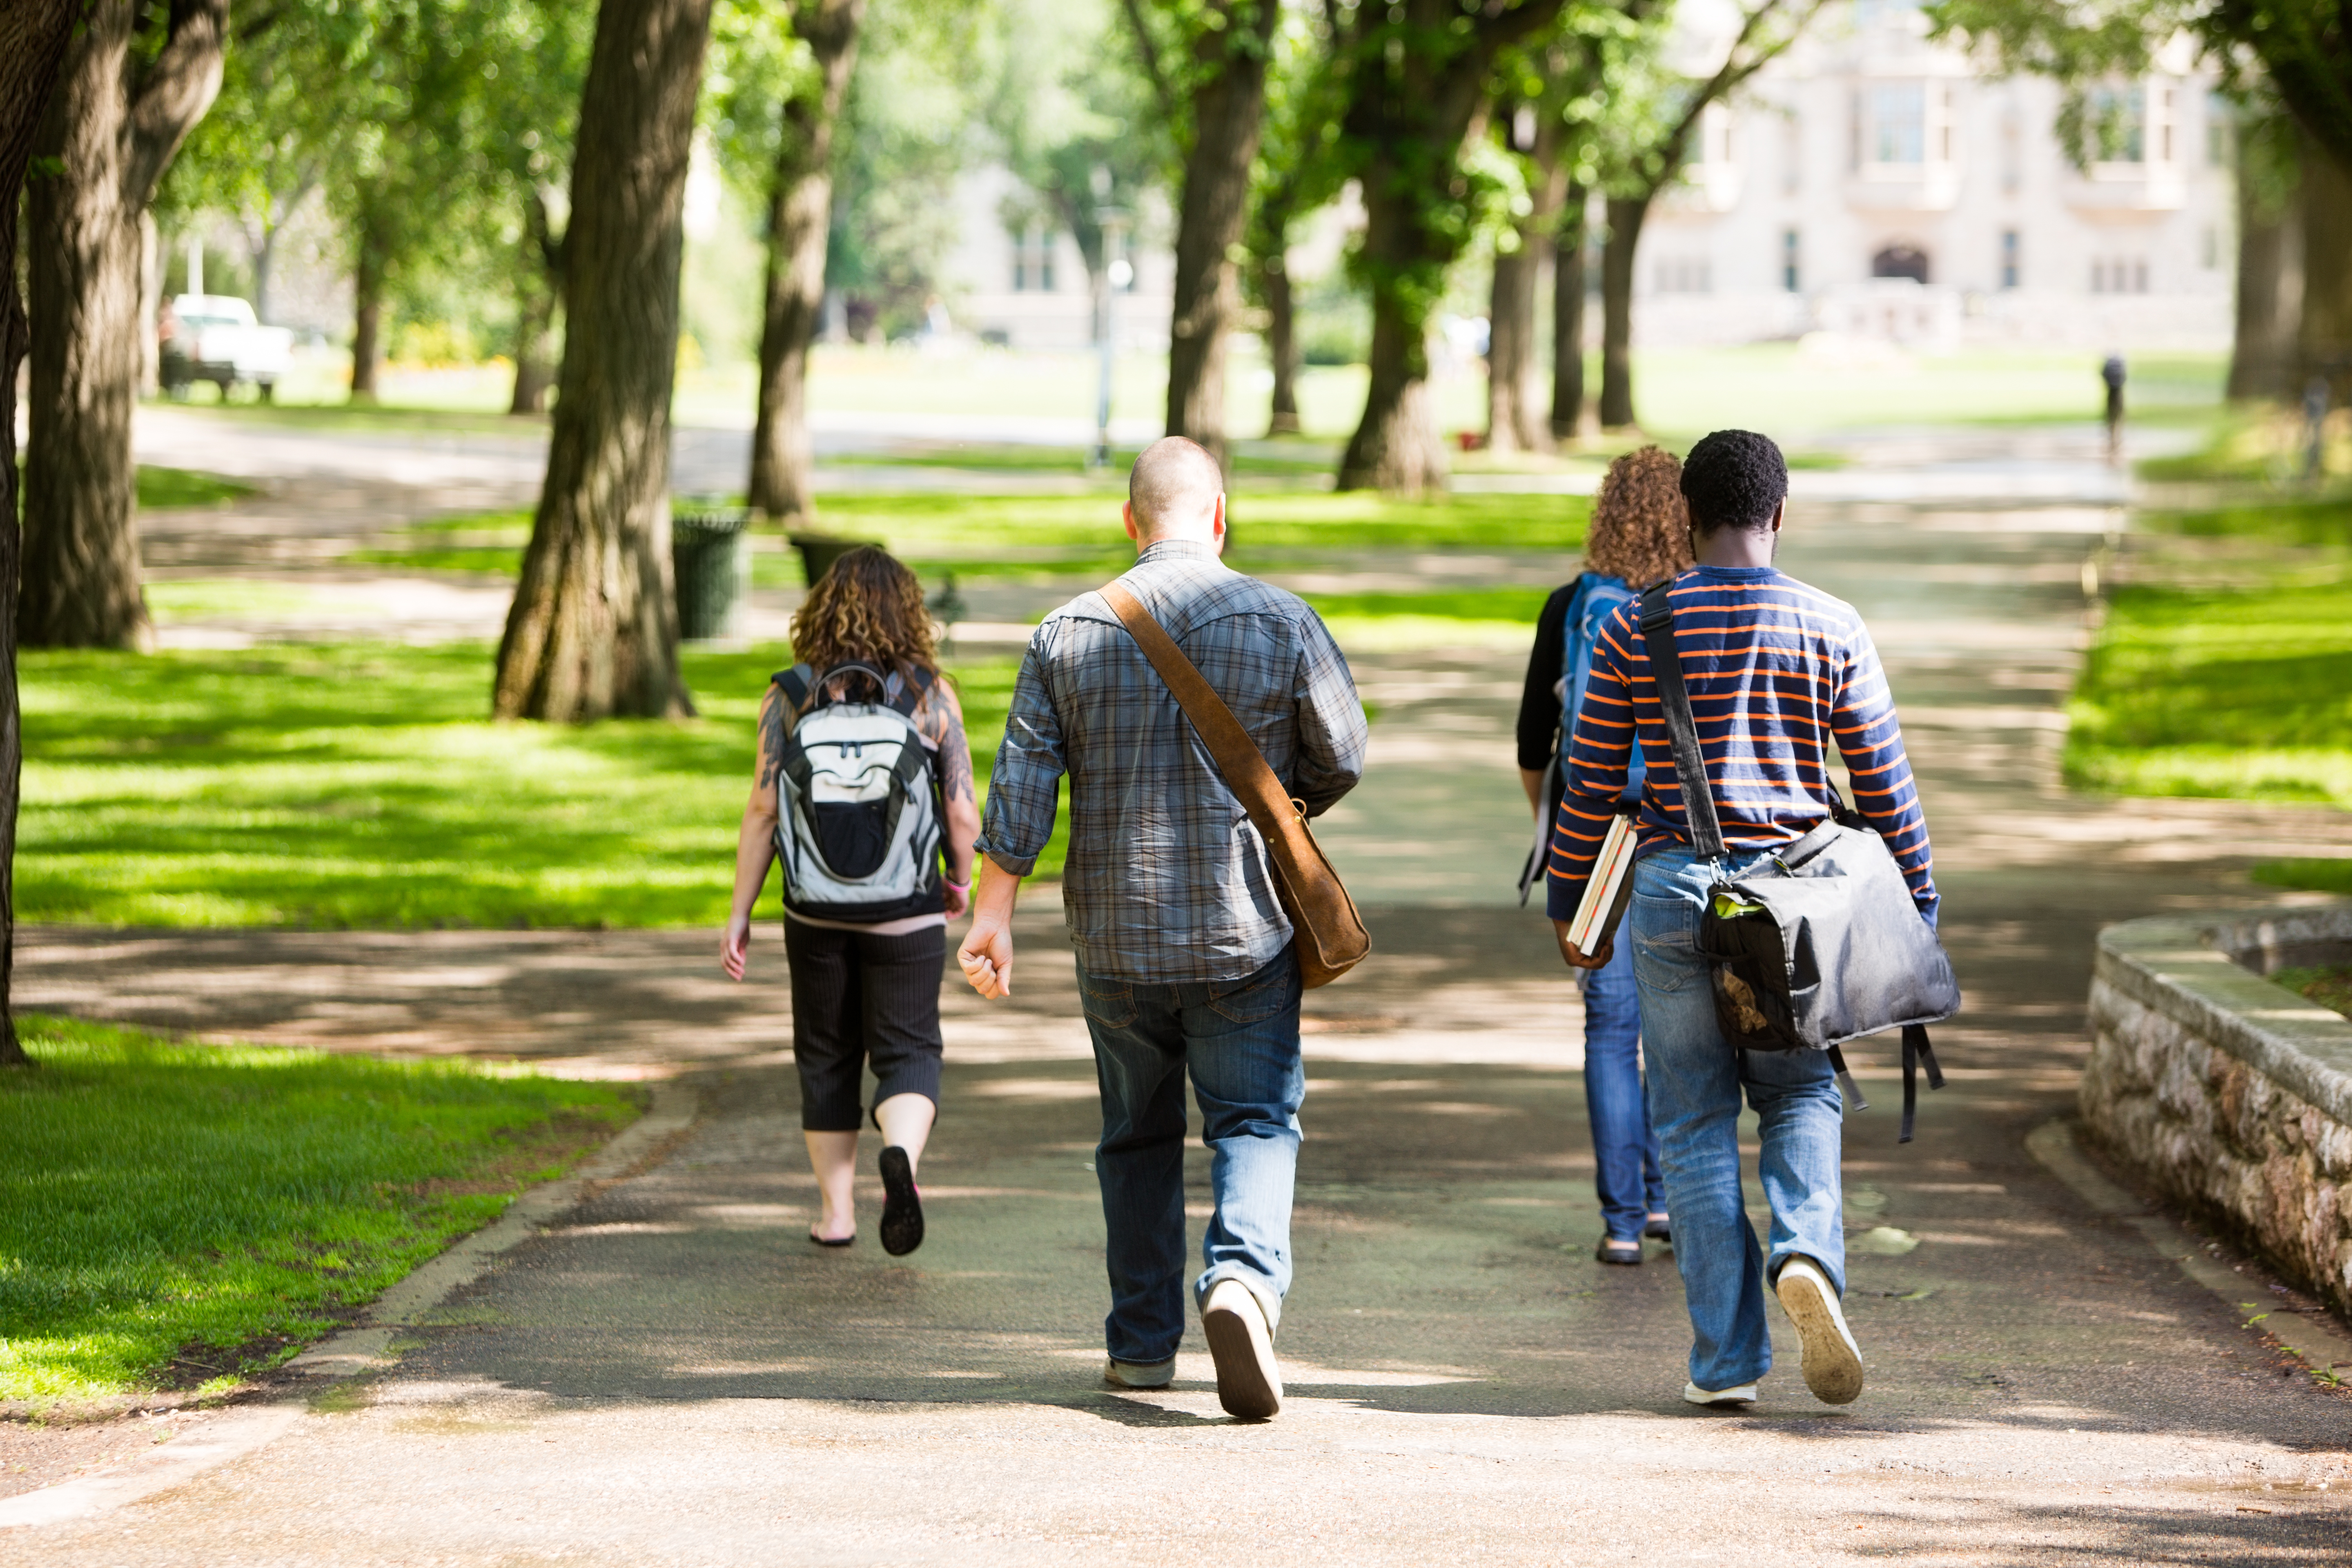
{"x": 1612, "y": 885}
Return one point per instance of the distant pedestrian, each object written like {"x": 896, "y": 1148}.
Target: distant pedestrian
{"x": 1776, "y": 670}
{"x": 1640, "y": 535}
{"x": 1185, "y": 955}
{"x": 864, "y": 785}
{"x": 2112, "y": 373}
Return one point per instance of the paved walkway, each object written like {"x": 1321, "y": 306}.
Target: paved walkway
{"x": 673, "y": 1376}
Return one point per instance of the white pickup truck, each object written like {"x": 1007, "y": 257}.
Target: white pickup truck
{"x": 214, "y": 337}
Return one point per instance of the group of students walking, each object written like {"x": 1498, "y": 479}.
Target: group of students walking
{"x": 1187, "y": 960}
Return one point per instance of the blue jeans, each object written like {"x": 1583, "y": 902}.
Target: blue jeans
{"x": 1695, "y": 1080}
{"x": 1624, "y": 1149}
{"x": 1240, "y": 1039}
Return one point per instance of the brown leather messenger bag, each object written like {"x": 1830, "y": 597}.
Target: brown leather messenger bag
{"x": 1331, "y": 935}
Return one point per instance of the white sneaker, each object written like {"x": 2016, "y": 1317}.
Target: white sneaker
{"x": 1140, "y": 1373}
{"x": 1744, "y": 1394}
{"x": 1249, "y": 1384}
{"x": 1833, "y": 1360}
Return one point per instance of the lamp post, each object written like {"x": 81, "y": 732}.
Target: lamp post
{"x": 1117, "y": 273}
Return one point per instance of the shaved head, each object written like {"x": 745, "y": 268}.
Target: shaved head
{"x": 1173, "y": 488}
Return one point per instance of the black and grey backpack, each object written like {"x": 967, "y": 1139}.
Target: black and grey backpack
{"x": 857, "y": 800}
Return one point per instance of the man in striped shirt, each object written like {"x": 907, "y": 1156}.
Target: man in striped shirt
{"x": 1779, "y": 673}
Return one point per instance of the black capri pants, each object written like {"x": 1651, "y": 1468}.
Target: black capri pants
{"x": 860, "y": 998}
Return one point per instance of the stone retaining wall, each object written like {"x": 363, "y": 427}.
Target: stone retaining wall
{"x": 2231, "y": 1094}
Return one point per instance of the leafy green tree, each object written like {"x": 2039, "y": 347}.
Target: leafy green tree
{"x": 2295, "y": 53}
{"x": 1654, "y": 116}
{"x": 784, "y": 78}
{"x": 136, "y": 81}
{"x": 592, "y": 631}
{"x": 1297, "y": 172}
{"x": 1207, "y": 62}
{"x": 33, "y": 42}
{"x": 1419, "y": 75}
{"x": 1073, "y": 119}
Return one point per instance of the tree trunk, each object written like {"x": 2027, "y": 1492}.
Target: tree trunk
{"x": 1625, "y": 216}
{"x": 1281, "y": 346}
{"x": 1512, "y": 363}
{"x": 594, "y": 628}
{"x": 367, "y": 319}
{"x": 33, "y": 39}
{"x": 1397, "y": 445}
{"x": 539, "y": 286}
{"x": 1567, "y": 283}
{"x": 150, "y": 307}
{"x": 800, "y": 214}
{"x": 2325, "y": 338}
{"x": 534, "y": 351}
{"x": 1228, "y": 113}
{"x": 114, "y": 136}
{"x": 2262, "y": 350}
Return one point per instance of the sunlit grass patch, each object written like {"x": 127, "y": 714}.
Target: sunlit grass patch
{"x": 364, "y": 785}
{"x": 2243, "y": 695}
{"x": 182, "y": 1215}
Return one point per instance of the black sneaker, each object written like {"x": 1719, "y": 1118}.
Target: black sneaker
{"x": 902, "y": 1204}
{"x": 1659, "y": 1229}
{"x": 1624, "y": 1251}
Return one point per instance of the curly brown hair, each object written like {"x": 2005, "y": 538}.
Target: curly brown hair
{"x": 1641, "y": 527}
{"x": 868, "y": 608}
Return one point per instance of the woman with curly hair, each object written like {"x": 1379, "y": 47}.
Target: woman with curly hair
{"x": 1640, "y": 535}
{"x": 862, "y": 822}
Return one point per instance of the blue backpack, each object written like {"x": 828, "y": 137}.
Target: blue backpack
{"x": 1595, "y": 599}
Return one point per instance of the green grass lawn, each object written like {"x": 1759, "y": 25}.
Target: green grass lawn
{"x": 362, "y": 786}
{"x": 977, "y": 536}
{"x": 156, "y": 488}
{"x": 2242, "y": 694}
{"x": 176, "y": 1215}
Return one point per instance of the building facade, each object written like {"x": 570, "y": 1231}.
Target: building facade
{"x": 1871, "y": 184}
{"x": 1866, "y": 184}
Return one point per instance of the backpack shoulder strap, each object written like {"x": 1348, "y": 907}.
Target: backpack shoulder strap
{"x": 1682, "y": 730}
{"x": 798, "y": 684}
{"x": 905, "y": 690}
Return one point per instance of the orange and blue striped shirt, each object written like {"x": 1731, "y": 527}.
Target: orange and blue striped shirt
{"x": 1777, "y": 673}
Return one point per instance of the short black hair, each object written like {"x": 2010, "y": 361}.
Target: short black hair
{"x": 1734, "y": 479}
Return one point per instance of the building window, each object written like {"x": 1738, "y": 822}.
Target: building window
{"x": 2117, "y": 125}
{"x": 2218, "y": 115}
{"x": 1788, "y": 274}
{"x": 1033, "y": 261}
{"x": 1792, "y": 156}
{"x": 2119, "y": 274}
{"x": 1899, "y": 123}
{"x": 2009, "y": 259}
{"x": 2211, "y": 248}
{"x": 1683, "y": 275}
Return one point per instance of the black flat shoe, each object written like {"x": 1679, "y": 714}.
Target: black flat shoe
{"x": 902, "y": 1204}
{"x": 1625, "y": 1254}
{"x": 1659, "y": 1229}
{"x": 833, "y": 1241}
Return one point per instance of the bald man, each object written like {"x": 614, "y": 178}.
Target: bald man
{"x": 1184, "y": 952}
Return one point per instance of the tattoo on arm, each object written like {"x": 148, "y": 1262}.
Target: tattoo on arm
{"x": 773, "y": 729}
{"x": 955, "y": 753}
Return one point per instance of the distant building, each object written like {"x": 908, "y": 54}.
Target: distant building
{"x": 1870, "y": 184}
{"x": 1866, "y": 184}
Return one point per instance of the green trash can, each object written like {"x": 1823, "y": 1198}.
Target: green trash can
{"x": 820, "y": 550}
{"x": 711, "y": 561}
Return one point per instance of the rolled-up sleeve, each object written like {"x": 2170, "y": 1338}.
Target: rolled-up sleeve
{"x": 1332, "y": 732}
{"x": 1026, "y": 778}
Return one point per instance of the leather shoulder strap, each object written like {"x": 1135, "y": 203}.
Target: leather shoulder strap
{"x": 1238, "y": 758}
{"x": 1682, "y": 728}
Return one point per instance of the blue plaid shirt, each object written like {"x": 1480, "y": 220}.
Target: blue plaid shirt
{"x": 1167, "y": 880}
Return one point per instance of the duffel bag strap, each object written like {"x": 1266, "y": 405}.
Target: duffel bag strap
{"x": 1916, "y": 1053}
{"x": 1849, "y": 1089}
{"x": 1682, "y": 730}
